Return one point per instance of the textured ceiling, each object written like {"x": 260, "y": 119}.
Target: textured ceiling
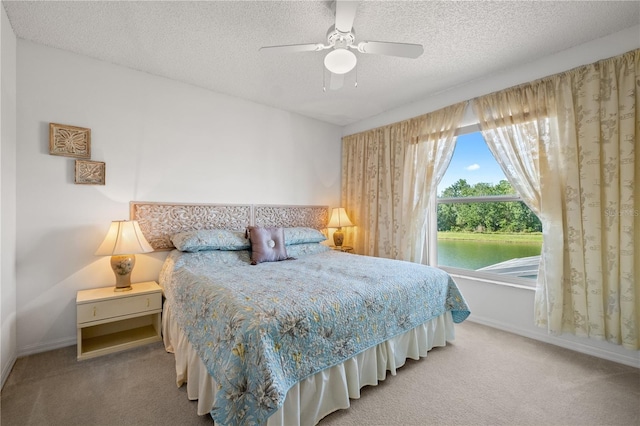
{"x": 214, "y": 44}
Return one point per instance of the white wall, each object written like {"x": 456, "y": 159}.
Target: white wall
{"x": 7, "y": 196}
{"x": 499, "y": 306}
{"x": 161, "y": 141}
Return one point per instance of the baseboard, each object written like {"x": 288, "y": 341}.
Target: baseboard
{"x": 47, "y": 346}
{"x": 630, "y": 360}
{"x": 6, "y": 370}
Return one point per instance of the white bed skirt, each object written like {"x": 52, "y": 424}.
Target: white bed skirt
{"x": 315, "y": 397}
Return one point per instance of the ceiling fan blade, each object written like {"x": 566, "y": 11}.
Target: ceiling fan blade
{"x": 336, "y": 82}
{"x": 292, "y": 48}
{"x": 345, "y": 14}
{"x": 405, "y": 50}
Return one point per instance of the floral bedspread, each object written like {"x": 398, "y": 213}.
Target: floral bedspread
{"x": 261, "y": 329}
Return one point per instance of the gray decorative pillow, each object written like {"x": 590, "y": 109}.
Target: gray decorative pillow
{"x": 267, "y": 244}
{"x": 210, "y": 239}
{"x": 301, "y": 235}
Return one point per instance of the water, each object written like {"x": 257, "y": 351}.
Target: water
{"x": 477, "y": 254}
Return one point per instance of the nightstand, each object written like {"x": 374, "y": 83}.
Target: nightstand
{"x": 110, "y": 321}
{"x": 345, "y": 249}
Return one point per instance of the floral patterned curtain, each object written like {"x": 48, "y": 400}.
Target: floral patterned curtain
{"x": 387, "y": 174}
{"x": 568, "y": 146}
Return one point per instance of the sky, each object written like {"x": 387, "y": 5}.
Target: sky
{"x": 472, "y": 161}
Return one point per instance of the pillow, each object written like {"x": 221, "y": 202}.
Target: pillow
{"x": 210, "y": 239}
{"x": 216, "y": 258}
{"x": 302, "y": 235}
{"x": 267, "y": 244}
{"x": 304, "y": 249}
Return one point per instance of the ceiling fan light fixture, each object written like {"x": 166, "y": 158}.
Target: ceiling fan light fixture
{"x": 340, "y": 61}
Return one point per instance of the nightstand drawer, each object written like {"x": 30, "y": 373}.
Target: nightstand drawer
{"x": 100, "y": 310}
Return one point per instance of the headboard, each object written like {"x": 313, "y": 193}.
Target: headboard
{"x": 159, "y": 221}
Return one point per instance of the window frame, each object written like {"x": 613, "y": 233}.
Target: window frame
{"x": 519, "y": 282}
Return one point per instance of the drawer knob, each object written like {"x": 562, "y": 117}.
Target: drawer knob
{"x": 148, "y": 302}
{"x": 94, "y": 311}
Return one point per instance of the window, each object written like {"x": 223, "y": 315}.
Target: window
{"x": 484, "y": 229}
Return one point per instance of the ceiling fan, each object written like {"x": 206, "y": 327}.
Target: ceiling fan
{"x": 341, "y": 40}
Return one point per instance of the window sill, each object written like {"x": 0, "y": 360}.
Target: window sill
{"x": 517, "y": 282}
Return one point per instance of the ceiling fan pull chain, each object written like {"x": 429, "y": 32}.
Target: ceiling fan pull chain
{"x": 324, "y": 85}
{"x": 356, "y": 85}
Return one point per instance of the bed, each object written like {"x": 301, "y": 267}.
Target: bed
{"x": 290, "y": 339}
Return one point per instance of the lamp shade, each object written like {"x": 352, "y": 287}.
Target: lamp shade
{"x": 124, "y": 237}
{"x": 340, "y": 61}
{"x": 339, "y": 218}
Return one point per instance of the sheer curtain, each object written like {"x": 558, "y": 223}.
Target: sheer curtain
{"x": 387, "y": 176}
{"x": 567, "y": 145}
{"x": 427, "y": 157}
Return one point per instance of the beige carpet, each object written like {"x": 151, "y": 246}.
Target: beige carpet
{"x": 486, "y": 377}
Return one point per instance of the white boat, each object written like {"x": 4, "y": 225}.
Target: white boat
{"x": 525, "y": 267}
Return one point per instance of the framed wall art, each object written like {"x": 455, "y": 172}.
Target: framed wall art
{"x": 69, "y": 141}
{"x": 90, "y": 172}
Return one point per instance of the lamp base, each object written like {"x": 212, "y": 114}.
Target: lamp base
{"x": 338, "y": 237}
{"x": 122, "y": 266}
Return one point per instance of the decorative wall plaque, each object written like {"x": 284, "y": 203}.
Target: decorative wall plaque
{"x": 69, "y": 141}
{"x": 90, "y": 172}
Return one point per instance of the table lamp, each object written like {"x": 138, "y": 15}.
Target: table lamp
{"x": 123, "y": 241}
{"x": 338, "y": 220}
